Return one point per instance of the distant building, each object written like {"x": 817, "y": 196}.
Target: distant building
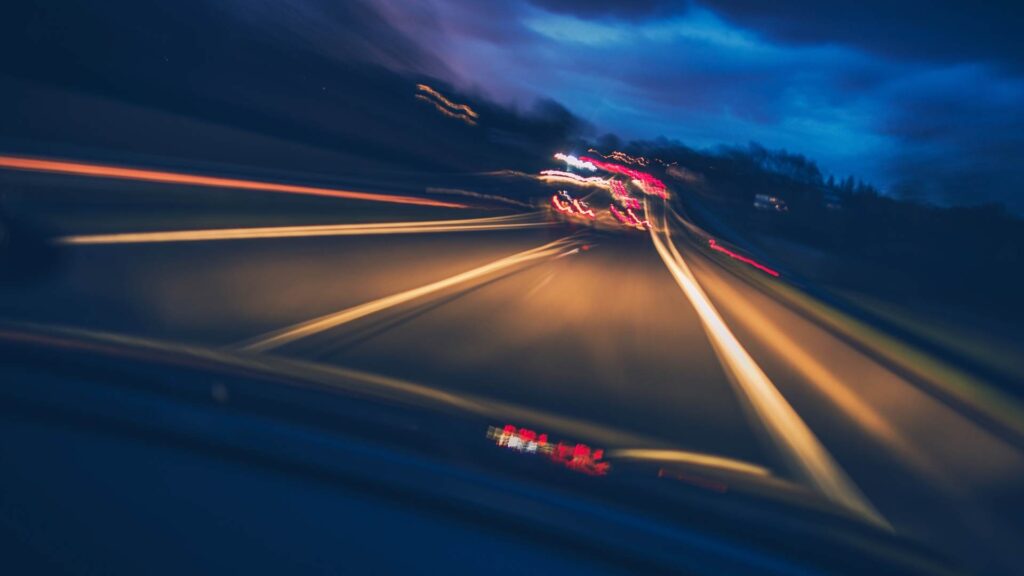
{"x": 770, "y": 203}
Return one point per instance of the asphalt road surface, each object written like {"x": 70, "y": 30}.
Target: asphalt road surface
{"x": 646, "y": 333}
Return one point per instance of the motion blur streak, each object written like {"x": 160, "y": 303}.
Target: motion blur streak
{"x": 628, "y": 219}
{"x": 570, "y": 178}
{"x": 619, "y": 192}
{"x": 824, "y": 377}
{"x": 119, "y": 173}
{"x": 623, "y": 157}
{"x": 649, "y": 184}
{"x": 440, "y": 98}
{"x": 695, "y": 458}
{"x": 714, "y": 246}
{"x": 292, "y": 333}
{"x": 785, "y": 427}
{"x": 430, "y": 227}
{"x": 575, "y": 162}
{"x": 446, "y": 111}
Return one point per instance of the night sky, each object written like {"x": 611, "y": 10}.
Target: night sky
{"x": 923, "y": 99}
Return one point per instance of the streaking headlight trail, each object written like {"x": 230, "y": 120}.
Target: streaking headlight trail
{"x": 164, "y": 177}
{"x": 713, "y": 244}
{"x": 620, "y": 194}
{"x": 574, "y": 162}
{"x": 574, "y": 456}
{"x": 362, "y": 229}
{"x": 620, "y": 156}
{"x": 565, "y": 204}
{"x": 562, "y": 177}
{"x": 628, "y": 218}
{"x": 445, "y": 106}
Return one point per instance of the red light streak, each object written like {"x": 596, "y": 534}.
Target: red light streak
{"x": 629, "y": 218}
{"x": 576, "y": 457}
{"x": 619, "y": 192}
{"x": 140, "y": 175}
{"x": 714, "y": 246}
{"x": 649, "y": 184}
{"x": 560, "y": 206}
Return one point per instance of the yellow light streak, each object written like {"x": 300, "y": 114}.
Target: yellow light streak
{"x": 380, "y": 228}
{"x": 278, "y": 338}
{"x": 787, "y": 430}
{"x": 463, "y": 107}
{"x": 447, "y": 112}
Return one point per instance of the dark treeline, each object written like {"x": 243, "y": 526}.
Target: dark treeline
{"x": 965, "y": 258}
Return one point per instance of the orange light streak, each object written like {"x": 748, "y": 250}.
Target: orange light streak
{"x": 572, "y": 206}
{"x": 160, "y": 176}
{"x": 447, "y": 112}
{"x": 440, "y": 97}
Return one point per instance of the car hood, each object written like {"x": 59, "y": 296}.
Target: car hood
{"x": 648, "y": 500}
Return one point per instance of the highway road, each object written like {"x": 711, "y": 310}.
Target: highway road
{"x": 649, "y": 334}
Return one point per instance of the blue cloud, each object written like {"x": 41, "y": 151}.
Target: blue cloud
{"x": 876, "y": 108}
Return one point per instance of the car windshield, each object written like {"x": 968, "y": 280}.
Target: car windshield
{"x": 725, "y": 249}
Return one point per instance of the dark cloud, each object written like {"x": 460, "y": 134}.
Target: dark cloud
{"x": 959, "y": 136}
{"x": 942, "y": 30}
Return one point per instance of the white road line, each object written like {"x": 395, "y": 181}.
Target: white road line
{"x": 788, "y": 431}
{"x": 292, "y": 333}
{"x": 365, "y": 229}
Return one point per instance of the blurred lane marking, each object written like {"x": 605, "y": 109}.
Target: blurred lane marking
{"x": 278, "y": 338}
{"x": 824, "y": 378}
{"x": 695, "y": 458}
{"x": 140, "y": 175}
{"x": 380, "y": 228}
{"x": 787, "y": 430}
